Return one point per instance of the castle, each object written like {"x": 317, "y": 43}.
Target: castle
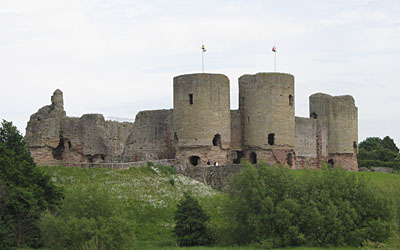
{"x": 201, "y": 127}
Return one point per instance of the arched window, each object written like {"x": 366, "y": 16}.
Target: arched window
{"x": 289, "y": 159}
{"x": 253, "y": 157}
{"x": 190, "y": 98}
{"x": 217, "y": 140}
{"x": 194, "y": 160}
{"x": 271, "y": 139}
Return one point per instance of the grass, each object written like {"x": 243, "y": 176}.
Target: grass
{"x": 150, "y": 195}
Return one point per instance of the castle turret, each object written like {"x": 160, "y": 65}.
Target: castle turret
{"x": 202, "y": 117}
{"x": 342, "y": 117}
{"x": 266, "y": 103}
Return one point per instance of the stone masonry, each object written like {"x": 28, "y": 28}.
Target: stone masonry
{"x": 201, "y": 128}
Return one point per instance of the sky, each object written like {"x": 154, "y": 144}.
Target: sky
{"x": 118, "y": 57}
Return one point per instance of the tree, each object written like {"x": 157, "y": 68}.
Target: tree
{"x": 376, "y": 152}
{"x": 276, "y": 207}
{"x": 191, "y": 223}
{"x": 91, "y": 217}
{"x": 25, "y": 191}
{"x": 388, "y": 143}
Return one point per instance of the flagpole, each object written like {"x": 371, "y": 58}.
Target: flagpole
{"x": 202, "y": 60}
{"x": 275, "y": 61}
{"x": 203, "y": 49}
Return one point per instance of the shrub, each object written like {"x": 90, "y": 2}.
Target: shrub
{"x": 191, "y": 223}
{"x": 276, "y": 208}
{"x": 88, "y": 216}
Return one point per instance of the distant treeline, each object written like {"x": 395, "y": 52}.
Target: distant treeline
{"x": 377, "y": 152}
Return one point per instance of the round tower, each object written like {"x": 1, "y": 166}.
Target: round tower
{"x": 266, "y": 103}
{"x": 342, "y": 116}
{"x": 202, "y": 114}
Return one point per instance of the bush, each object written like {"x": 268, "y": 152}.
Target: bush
{"x": 274, "y": 207}
{"x": 89, "y": 216}
{"x": 376, "y": 163}
{"x": 191, "y": 223}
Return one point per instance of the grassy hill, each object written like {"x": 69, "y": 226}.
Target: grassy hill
{"x": 148, "y": 197}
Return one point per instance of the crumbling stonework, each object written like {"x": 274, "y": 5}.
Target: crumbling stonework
{"x": 151, "y": 137}
{"x": 54, "y": 138}
{"x": 201, "y": 129}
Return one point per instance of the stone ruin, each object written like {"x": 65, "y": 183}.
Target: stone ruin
{"x": 201, "y": 128}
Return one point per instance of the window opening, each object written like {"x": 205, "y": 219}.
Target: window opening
{"x": 271, "y": 139}
{"x": 289, "y": 159}
{"x": 194, "y": 160}
{"x": 355, "y": 146}
{"x": 217, "y": 140}
{"x": 59, "y": 150}
{"x": 176, "y": 140}
{"x": 239, "y": 156}
{"x": 314, "y": 115}
{"x": 331, "y": 162}
{"x": 290, "y": 100}
{"x": 191, "y": 98}
{"x": 253, "y": 158}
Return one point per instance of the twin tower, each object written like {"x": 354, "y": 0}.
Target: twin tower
{"x": 264, "y": 127}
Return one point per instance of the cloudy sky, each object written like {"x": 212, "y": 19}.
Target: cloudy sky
{"x": 117, "y": 57}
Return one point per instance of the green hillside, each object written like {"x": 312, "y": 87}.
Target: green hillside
{"x": 146, "y": 198}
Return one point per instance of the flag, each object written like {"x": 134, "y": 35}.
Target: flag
{"x": 203, "y": 48}
{"x": 274, "y": 49}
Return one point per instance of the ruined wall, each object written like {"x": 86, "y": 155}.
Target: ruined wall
{"x": 151, "y": 137}
{"x": 311, "y": 142}
{"x": 202, "y": 128}
{"x": 342, "y": 117}
{"x": 215, "y": 176}
{"x": 54, "y": 139}
{"x": 236, "y": 130}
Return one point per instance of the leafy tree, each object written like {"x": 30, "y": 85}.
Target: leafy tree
{"x": 376, "y": 152}
{"x": 388, "y": 143}
{"x": 191, "y": 223}
{"x": 89, "y": 218}
{"x": 275, "y": 207}
{"x": 25, "y": 191}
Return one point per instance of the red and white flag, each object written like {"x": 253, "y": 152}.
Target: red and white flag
{"x": 274, "y": 49}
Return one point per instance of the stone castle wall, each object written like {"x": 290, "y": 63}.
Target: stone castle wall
{"x": 201, "y": 128}
{"x": 311, "y": 142}
{"x": 54, "y": 138}
{"x": 151, "y": 137}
